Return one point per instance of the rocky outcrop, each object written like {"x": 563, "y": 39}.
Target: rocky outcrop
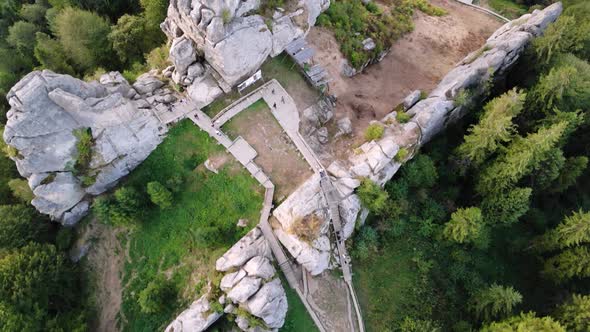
{"x": 48, "y": 114}
{"x": 230, "y": 36}
{"x": 250, "y": 283}
{"x": 379, "y": 160}
{"x": 198, "y": 317}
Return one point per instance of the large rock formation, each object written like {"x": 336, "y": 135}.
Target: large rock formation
{"x": 377, "y": 160}
{"x": 250, "y": 283}
{"x": 229, "y": 38}
{"x": 48, "y": 114}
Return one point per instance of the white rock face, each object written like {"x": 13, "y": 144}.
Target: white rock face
{"x": 270, "y": 304}
{"x": 260, "y": 267}
{"x": 376, "y": 159}
{"x": 46, "y": 111}
{"x": 230, "y": 36}
{"x": 252, "y": 244}
{"x": 244, "y": 289}
{"x": 196, "y": 318}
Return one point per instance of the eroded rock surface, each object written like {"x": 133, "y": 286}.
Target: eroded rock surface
{"x": 379, "y": 161}
{"x": 197, "y": 318}
{"x": 230, "y": 35}
{"x": 48, "y": 113}
{"x": 251, "y": 283}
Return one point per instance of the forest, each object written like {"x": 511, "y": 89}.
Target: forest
{"x": 487, "y": 228}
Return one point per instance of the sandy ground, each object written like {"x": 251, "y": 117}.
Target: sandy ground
{"x": 277, "y": 155}
{"x": 104, "y": 263}
{"x": 417, "y": 61}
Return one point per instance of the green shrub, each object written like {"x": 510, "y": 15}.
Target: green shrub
{"x": 427, "y": 8}
{"x": 366, "y": 243}
{"x": 462, "y": 98}
{"x": 374, "y": 132}
{"x": 158, "y": 58}
{"x": 372, "y": 196}
{"x": 401, "y": 155}
{"x": 157, "y": 296}
{"x": 84, "y": 148}
{"x": 159, "y": 195}
{"x": 21, "y": 190}
{"x": 133, "y": 73}
{"x": 403, "y": 117}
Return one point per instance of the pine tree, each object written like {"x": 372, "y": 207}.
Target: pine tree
{"x": 574, "y": 262}
{"x": 522, "y": 156}
{"x": 525, "y": 323}
{"x": 495, "y": 302}
{"x": 506, "y": 207}
{"x": 495, "y": 127}
{"x": 573, "y": 168}
{"x": 572, "y": 231}
{"x": 465, "y": 225}
{"x": 575, "y": 314}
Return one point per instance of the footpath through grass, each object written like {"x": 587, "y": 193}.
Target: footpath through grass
{"x": 167, "y": 243}
{"x": 298, "y": 319}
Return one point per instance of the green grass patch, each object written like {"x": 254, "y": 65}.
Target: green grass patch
{"x": 231, "y": 128}
{"x": 507, "y": 8}
{"x": 297, "y": 319}
{"x": 167, "y": 240}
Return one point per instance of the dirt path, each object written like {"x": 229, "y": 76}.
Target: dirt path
{"x": 417, "y": 61}
{"x": 104, "y": 264}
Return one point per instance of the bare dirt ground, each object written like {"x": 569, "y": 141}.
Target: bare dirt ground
{"x": 277, "y": 155}
{"x": 104, "y": 263}
{"x": 330, "y": 295}
{"x": 417, "y": 61}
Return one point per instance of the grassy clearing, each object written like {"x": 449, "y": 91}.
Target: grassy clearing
{"x": 507, "y": 8}
{"x": 165, "y": 242}
{"x": 232, "y": 127}
{"x": 286, "y": 72}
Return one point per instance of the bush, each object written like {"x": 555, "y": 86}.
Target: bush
{"x": 158, "y": 58}
{"x": 21, "y": 190}
{"x": 159, "y": 195}
{"x": 121, "y": 209}
{"x": 374, "y": 132}
{"x": 420, "y": 172}
{"x": 403, "y": 117}
{"x": 157, "y": 296}
{"x": 372, "y": 196}
{"x": 366, "y": 243}
{"x": 401, "y": 155}
{"x": 428, "y": 9}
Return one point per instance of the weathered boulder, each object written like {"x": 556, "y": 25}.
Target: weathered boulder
{"x": 252, "y": 244}
{"x": 270, "y": 304}
{"x": 47, "y": 113}
{"x": 260, "y": 267}
{"x": 231, "y": 36}
{"x": 231, "y": 279}
{"x": 198, "y": 317}
{"x": 244, "y": 289}
{"x": 412, "y": 98}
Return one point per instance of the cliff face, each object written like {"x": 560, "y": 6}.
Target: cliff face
{"x": 376, "y": 159}
{"x": 230, "y": 37}
{"x": 49, "y": 114}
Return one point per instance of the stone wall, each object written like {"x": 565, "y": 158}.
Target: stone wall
{"x": 377, "y": 160}
{"x": 47, "y": 110}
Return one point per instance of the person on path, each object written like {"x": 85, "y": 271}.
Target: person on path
{"x": 274, "y": 105}
{"x": 273, "y": 91}
{"x": 283, "y": 99}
